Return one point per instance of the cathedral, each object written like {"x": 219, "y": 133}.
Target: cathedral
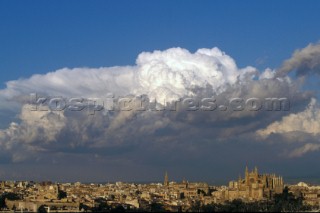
{"x": 253, "y": 187}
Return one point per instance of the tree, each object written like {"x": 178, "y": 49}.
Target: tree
{"x": 62, "y": 194}
{"x": 119, "y": 208}
{"x": 284, "y": 202}
{"x": 208, "y": 208}
{"x": 287, "y": 202}
{"x": 102, "y": 205}
{"x": 196, "y": 206}
{"x": 42, "y": 209}
{"x": 83, "y": 207}
{"x": 9, "y": 196}
{"x": 156, "y": 207}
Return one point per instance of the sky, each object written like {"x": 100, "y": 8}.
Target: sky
{"x": 164, "y": 50}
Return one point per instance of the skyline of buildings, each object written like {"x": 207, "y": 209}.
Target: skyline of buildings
{"x": 169, "y": 195}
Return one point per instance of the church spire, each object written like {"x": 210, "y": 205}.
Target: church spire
{"x": 166, "y": 180}
{"x": 246, "y": 177}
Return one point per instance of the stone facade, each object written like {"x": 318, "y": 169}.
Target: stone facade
{"x": 253, "y": 187}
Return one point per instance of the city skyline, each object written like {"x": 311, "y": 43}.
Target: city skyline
{"x": 250, "y": 192}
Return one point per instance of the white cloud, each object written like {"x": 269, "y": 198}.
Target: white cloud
{"x": 162, "y": 75}
{"x": 170, "y": 74}
{"x": 267, "y": 74}
{"x": 307, "y": 121}
{"x": 78, "y": 82}
{"x": 167, "y": 74}
{"x": 36, "y": 129}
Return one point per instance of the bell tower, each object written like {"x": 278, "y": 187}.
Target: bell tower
{"x": 166, "y": 180}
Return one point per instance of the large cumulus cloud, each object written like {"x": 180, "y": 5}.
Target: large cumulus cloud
{"x": 165, "y": 76}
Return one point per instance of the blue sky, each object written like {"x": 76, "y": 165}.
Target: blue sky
{"x": 87, "y": 38}
{"x": 37, "y": 36}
